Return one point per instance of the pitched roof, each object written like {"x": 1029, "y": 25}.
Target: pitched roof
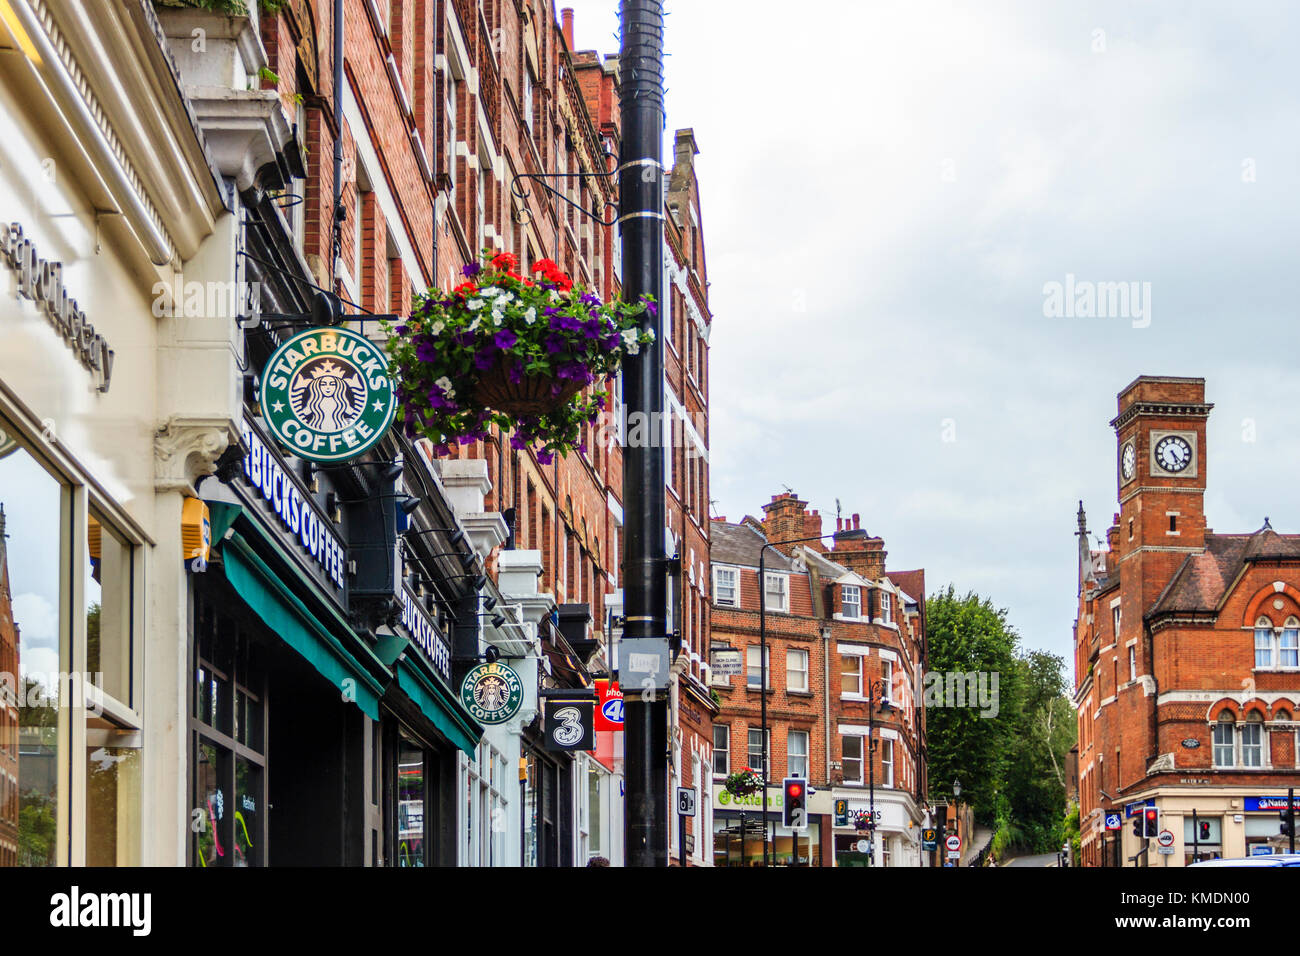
{"x": 912, "y": 583}
{"x": 1202, "y": 579}
{"x": 740, "y": 544}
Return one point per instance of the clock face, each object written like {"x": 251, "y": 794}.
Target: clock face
{"x": 1173, "y": 453}
{"x": 1128, "y": 461}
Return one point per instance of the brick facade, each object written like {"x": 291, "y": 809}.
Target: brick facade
{"x": 1184, "y": 639}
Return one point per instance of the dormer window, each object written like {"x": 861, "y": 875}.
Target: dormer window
{"x": 851, "y": 600}
{"x": 886, "y": 607}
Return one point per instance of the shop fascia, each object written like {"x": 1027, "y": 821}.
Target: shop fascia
{"x": 819, "y": 802}
{"x": 41, "y": 281}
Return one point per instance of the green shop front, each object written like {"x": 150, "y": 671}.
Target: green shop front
{"x": 739, "y": 834}
{"x": 318, "y": 735}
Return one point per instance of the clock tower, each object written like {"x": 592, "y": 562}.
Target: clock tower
{"x": 1160, "y": 471}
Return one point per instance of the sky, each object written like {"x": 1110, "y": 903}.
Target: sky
{"x": 888, "y": 189}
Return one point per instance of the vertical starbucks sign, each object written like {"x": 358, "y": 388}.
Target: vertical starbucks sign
{"x": 327, "y": 395}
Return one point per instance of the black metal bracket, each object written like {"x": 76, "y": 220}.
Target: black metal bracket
{"x": 521, "y": 191}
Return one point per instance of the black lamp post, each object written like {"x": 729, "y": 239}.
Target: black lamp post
{"x": 762, "y": 660}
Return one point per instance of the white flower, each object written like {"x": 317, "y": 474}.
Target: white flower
{"x": 531, "y": 315}
{"x": 630, "y": 342}
{"x": 473, "y": 326}
{"x": 651, "y": 334}
{"x": 496, "y": 317}
{"x": 490, "y": 291}
{"x": 474, "y": 304}
{"x": 444, "y": 383}
{"x": 507, "y": 296}
{"x": 437, "y": 327}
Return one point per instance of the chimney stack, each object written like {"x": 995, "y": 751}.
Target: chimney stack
{"x": 566, "y": 21}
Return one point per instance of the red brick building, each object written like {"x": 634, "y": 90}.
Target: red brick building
{"x": 1187, "y": 652}
{"x": 846, "y": 643}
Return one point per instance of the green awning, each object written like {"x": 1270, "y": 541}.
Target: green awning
{"x": 275, "y": 602}
{"x": 435, "y": 704}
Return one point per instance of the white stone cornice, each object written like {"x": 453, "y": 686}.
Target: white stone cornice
{"x": 186, "y": 449}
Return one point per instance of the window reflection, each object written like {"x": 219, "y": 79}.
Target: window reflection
{"x": 32, "y": 530}
{"x": 410, "y": 802}
{"x": 112, "y": 789}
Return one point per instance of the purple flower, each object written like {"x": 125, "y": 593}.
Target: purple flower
{"x": 518, "y": 442}
{"x": 590, "y": 299}
{"x": 425, "y": 350}
{"x": 506, "y": 339}
{"x": 484, "y": 359}
{"x": 515, "y": 372}
{"x": 400, "y": 330}
{"x": 545, "y": 457}
{"x": 575, "y": 371}
{"x": 609, "y": 342}
{"x": 472, "y": 270}
{"x": 554, "y": 344}
{"x": 463, "y": 339}
{"x": 591, "y": 329}
{"x": 650, "y": 308}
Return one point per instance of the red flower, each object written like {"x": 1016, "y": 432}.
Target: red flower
{"x": 504, "y": 261}
{"x": 465, "y": 288}
{"x": 545, "y": 265}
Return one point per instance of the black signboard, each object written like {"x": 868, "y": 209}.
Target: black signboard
{"x": 570, "y": 720}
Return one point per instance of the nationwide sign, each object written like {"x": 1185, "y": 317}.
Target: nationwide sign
{"x": 1259, "y": 804}
{"x": 293, "y": 507}
{"x": 326, "y": 394}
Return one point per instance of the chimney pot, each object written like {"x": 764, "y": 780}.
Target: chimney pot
{"x": 855, "y": 522}
{"x": 566, "y": 19}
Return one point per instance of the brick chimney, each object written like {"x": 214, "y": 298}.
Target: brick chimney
{"x": 859, "y": 551}
{"x": 566, "y": 25}
{"x": 1112, "y": 542}
{"x": 785, "y": 517}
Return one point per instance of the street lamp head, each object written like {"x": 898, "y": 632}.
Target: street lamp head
{"x": 956, "y": 787}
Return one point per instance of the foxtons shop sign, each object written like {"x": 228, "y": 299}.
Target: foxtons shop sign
{"x": 326, "y": 394}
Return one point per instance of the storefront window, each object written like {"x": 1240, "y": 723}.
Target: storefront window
{"x": 112, "y": 795}
{"x": 410, "y": 801}
{"x": 852, "y": 850}
{"x": 1202, "y": 838}
{"x": 228, "y": 746}
{"x": 109, "y": 608}
{"x": 34, "y": 527}
{"x": 593, "y": 802}
{"x": 786, "y": 847}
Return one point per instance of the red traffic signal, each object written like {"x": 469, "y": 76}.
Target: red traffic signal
{"x": 794, "y": 789}
{"x": 794, "y": 803}
{"x": 1150, "y": 822}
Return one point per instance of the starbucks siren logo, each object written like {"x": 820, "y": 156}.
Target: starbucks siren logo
{"x": 492, "y": 693}
{"x": 327, "y": 395}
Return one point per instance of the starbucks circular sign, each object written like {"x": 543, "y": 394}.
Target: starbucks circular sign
{"x": 492, "y": 693}
{"x": 326, "y": 394}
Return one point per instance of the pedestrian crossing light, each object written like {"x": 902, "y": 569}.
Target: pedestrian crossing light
{"x": 1203, "y": 831}
{"x": 1150, "y": 822}
{"x": 1288, "y": 823}
{"x": 794, "y": 807}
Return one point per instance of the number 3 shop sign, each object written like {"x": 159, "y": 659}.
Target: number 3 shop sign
{"x": 569, "y": 718}
{"x": 327, "y": 395}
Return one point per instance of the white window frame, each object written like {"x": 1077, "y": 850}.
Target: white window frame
{"x": 886, "y": 763}
{"x": 726, "y": 729}
{"x": 1273, "y": 635}
{"x": 856, "y": 603}
{"x": 765, "y": 764}
{"x": 1115, "y": 620}
{"x": 790, "y": 753}
{"x": 1132, "y": 663}
{"x": 886, "y": 607}
{"x": 852, "y": 695}
{"x": 797, "y": 670}
{"x": 1264, "y": 631}
{"x": 861, "y": 759}
{"x": 755, "y": 648}
{"x": 887, "y": 679}
{"x": 783, "y": 591}
{"x": 1218, "y": 746}
{"x": 719, "y": 573}
{"x": 1257, "y": 726}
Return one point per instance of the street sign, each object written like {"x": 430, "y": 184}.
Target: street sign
{"x": 863, "y": 846}
{"x": 954, "y": 855}
{"x": 841, "y": 808}
{"x": 953, "y": 843}
{"x": 929, "y": 839}
{"x": 1166, "y": 838}
{"x": 686, "y": 801}
{"x": 1165, "y": 850}
{"x": 1114, "y": 822}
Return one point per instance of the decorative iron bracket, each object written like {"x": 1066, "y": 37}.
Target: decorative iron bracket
{"x": 521, "y": 191}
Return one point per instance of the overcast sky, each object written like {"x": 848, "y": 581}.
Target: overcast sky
{"x": 886, "y": 191}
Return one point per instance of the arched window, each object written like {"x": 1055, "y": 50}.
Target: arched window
{"x": 1223, "y": 743}
{"x": 1263, "y": 643}
{"x": 1282, "y": 714}
{"x": 1252, "y": 740}
{"x": 1289, "y": 644}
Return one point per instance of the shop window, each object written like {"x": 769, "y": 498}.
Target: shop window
{"x": 109, "y": 608}
{"x": 35, "y": 541}
{"x": 228, "y": 748}
{"x": 1203, "y": 837}
{"x": 411, "y": 801}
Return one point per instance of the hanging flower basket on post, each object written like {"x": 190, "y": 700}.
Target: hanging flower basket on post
{"x": 508, "y": 350}
{"x": 744, "y": 782}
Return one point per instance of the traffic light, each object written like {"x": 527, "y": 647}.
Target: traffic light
{"x": 1288, "y": 823}
{"x": 1137, "y": 825}
{"x": 1150, "y": 822}
{"x": 1203, "y": 831}
{"x": 794, "y": 807}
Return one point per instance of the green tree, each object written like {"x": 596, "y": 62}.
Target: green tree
{"x": 969, "y": 634}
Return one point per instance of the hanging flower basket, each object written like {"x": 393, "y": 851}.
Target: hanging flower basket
{"x": 744, "y": 782}
{"x": 508, "y": 350}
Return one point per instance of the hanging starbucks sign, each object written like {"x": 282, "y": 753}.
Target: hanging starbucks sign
{"x": 327, "y": 395}
{"x": 492, "y": 693}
